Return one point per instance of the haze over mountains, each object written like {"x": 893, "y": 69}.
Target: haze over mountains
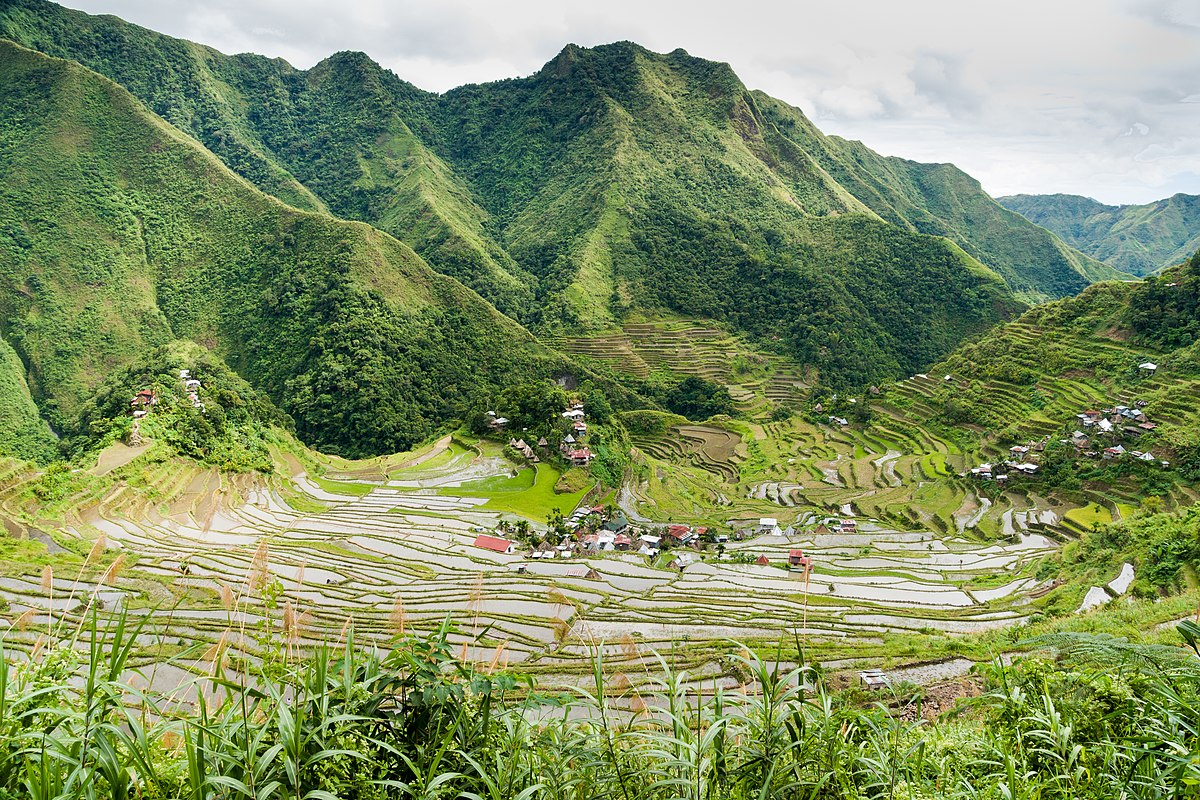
{"x": 614, "y": 183}
{"x": 1138, "y": 239}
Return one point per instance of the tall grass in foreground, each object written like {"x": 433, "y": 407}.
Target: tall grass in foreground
{"x": 1100, "y": 718}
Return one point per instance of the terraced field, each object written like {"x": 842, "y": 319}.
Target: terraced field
{"x": 755, "y": 379}
{"x": 905, "y": 467}
{"x": 396, "y": 553}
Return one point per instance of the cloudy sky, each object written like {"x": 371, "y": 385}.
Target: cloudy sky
{"x": 1091, "y": 97}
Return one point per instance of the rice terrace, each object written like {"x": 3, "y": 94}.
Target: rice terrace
{"x": 616, "y": 430}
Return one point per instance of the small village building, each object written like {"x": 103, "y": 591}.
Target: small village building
{"x": 762, "y": 561}
{"x": 495, "y": 544}
{"x": 1113, "y": 452}
{"x": 543, "y": 443}
{"x": 1148, "y": 366}
{"x": 683, "y": 561}
{"x": 617, "y": 523}
{"x": 581, "y": 457}
{"x": 681, "y": 534}
{"x": 798, "y": 562}
{"x": 575, "y": 415}
{"x": 873, "y": 679}
{"x": 849, "y": 526}
{"x": 768, "y": 525}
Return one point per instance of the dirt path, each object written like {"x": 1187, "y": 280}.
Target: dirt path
{"x": 117, "y": 455}
{"x": 438, "y": 446}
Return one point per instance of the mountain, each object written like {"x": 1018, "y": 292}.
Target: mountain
{"x": 333, "y": 138}
{"x": 613, "y": 196}
{"x": 353, "y": 138}
{"x": 634, "y": 182}
{"x": 942, "y": 200}
{"x": 119, "y": 234}
{"x": 1138, "y": 239}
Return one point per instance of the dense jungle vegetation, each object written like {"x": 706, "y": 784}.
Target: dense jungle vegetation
{"x": 613, "y": 181}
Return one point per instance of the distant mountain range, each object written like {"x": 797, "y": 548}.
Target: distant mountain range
{"x": 221, "y": 198}
{"x": 1138, "y": 239}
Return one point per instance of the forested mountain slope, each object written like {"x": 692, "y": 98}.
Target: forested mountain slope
{"x": 335, "y": 137}
{"x": 119, "y": 234}
{"x": 1138, "y": 239}
{"x": 613, "y": 182}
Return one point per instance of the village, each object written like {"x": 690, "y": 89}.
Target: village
{"x": 1101, "y": 434}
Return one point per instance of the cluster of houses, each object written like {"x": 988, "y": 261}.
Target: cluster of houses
{"x": 592, "y": 530}
{"x": 573, "y": 447}
{"x": 146, "y": 399}
{"x": 1099, "y": 435}
{"x": 192, "y": 387}
{"x": 1107, "y": 426}
{"x": 1023, "y": 460}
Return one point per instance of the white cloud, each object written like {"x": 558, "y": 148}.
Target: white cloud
{"x": 1026, "y": 95}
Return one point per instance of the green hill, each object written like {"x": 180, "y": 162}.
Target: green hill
{"x": 1028, "y": 379}
{"x": 1138, "y": 239}
{"x": 632, "y": 181}
{"x": 331, "y": 138}
{"x": 23, "y": 433}
{"x": 613, "y": 184}
{"x": 119, "y": 234}
{"x": 941, "y": 200}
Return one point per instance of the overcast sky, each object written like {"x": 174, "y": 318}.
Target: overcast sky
{"x": 1091, "y": 97}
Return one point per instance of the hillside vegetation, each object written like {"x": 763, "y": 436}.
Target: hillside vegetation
{"x": 23, "y": 432}
{"x": 614, "y": 181}
{"x": 120, "y": 234}
{"x": 1139, "y": 239}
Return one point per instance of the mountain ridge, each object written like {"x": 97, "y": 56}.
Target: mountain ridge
{"x": 121, "y": 234}
{"x": 1138, "y": 238}
{"x": 470, "y": 252}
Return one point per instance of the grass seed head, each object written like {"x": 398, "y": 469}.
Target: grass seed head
{"x": 98, "y": 548}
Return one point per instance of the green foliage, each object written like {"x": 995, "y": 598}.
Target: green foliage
{"x": 141, "y": 237}
{"x": 23, "y": 433}
{"x": 230, "y": 432}
{"x": 1165, "y": 310}
{"x": 1163, "y": 547}
{"x": 1139, "y": 239}
{"x": 691, "y": 396}
{"x": 1103, "y": 718}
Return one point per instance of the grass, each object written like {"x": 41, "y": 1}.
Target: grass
{"x": 530, "y": 493}
{"x": 1089, "y": 515}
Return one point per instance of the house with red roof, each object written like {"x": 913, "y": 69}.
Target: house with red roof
{"x": 495, "y": 544}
